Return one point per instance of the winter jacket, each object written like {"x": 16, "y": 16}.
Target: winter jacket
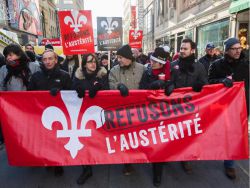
{"x": 187, "y": 77}
{"x": 65, "y": 66}
{"x": 130, "y": 76}
{"x": 206, "y": 60}
{"x": 85, "y": 80}
{"x": 48, "y": 79}
{"x": 224, "y": 67}
{"x": 149, "y": 77}
{"x": 15, "y": 83}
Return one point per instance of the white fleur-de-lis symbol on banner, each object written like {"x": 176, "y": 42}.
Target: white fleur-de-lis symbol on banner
{"x": 135, "y": 34}
{"x": 109, "y": 25}
{"x": 74, "y": 21}
{"x": 73, "y": 105}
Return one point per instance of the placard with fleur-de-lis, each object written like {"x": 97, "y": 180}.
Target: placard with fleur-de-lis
{"x": 76, "y": 32}
{"x": 109, "y": 33}
{"x": 135, "y": 38}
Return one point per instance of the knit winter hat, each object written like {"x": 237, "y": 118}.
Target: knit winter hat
{"x": 125, "y": 51}
{"x": 159, "y": 55}
{"x": 230, "y": 42}
{"x": 210, "y": 45}
{"x": 166, "y": 48}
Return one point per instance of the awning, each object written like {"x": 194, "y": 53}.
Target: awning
{"x": 239, "y": 5}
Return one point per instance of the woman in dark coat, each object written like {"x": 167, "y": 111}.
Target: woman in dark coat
{"x": 89, "y": 76}
{"x": 157, "y": 76}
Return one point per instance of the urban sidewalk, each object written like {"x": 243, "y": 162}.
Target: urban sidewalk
{"x": 206, "y": 174}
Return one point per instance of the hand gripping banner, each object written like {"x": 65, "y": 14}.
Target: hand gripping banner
{"x": 146, "y": 126}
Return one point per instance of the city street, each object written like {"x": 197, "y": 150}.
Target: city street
{"x": 206, "y": 174}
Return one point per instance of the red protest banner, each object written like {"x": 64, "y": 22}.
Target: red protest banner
{"x": 53, "y": 41}
{"x": 144, "y": 127}
{"x": 133, "y": 17}
{"x": 135, "y": 38}
{"x": 76, "y": 32}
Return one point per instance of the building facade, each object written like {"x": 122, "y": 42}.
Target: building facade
{"x": 20, "y": 19}
{"x": 49, "y": 19}
{"x": 201, "y": 20}
{"x": 69, "y": 4}
{"x": 126, "y": 20}
{"x": 148, "y": 26}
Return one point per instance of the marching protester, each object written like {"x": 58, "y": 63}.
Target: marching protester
{"x": 50, "y": 47}
{"x": 124, "y": 76}
{"x": 159, "y": 67}
{"x": 139, "y": 56}
{"x": 30, "y": 48}
{"x": 156, "y": 77}
{"x": 70, "y": 64}
{"x": 89, "y": 76}
{"x": 232, "y": 67}
{"x": 187, "y": 72}
{"x": 104, "y": 62}
{"x": 210, "y": 56}
{"x": 51, "y": 78}
{"x": 15, "y": 75}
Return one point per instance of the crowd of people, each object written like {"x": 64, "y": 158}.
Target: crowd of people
{"x": 128, "y": 69}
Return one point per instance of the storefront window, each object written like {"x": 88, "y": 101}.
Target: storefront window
{"x": 215, "y": 32}
{"x": 242, "y": 35}
{"x": 172, "y": 44}
{"x": 189, "y": 34}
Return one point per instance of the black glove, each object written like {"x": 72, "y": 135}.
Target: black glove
{"x": 169, "y": 88}
{"x": 227, "y": 82}
{"x": 158, "y": 84}
{"x": 93, "y": 90}
{"x": 123, "y": 89}
{"x": 197, "y": 86}
{"x": 53, "y": 91}
{"x": 80, "y": 91}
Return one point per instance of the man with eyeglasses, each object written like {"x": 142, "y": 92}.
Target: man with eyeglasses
{"x": 232, "y": 67}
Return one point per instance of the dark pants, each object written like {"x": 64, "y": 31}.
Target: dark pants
{"x": 157, "y": 169}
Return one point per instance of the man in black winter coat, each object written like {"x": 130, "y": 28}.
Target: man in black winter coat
{"x": 51, "y": 77}
{"x": 210, "y": 56}
{"x": 187, "y": 72}
{"x": 232, "y": 67}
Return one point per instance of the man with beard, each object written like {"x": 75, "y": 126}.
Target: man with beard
{"x": 232, "y": 67}
{"x": 210, "y": 56}
{"x": 187, "y": 72}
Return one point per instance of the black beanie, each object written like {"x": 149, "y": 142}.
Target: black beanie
{"x": 125, "y": 51}
{"x": 230, "y": 42}
{"x": 49, "y": 46}
{"x": 159, "y": 55}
